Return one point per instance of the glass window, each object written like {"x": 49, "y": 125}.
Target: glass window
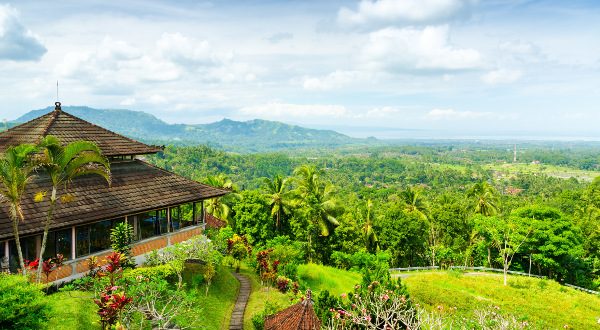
{"x": 58, "y": 242}
{"x": 163, "y": 223}
{"x": 100, "y": 235}
{"x": 82, "y": 239}
{"x": 146, "y": 224}
{"x": 29, "y": 249}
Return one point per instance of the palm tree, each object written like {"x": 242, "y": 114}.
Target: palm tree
{"x": 278, "y": 196}
{"x": 63, "y": 164}
{"x": 413, "y": 203}
{"x": 16, "y": 171}
{"x": 319, "y": 198}
{"x": 220, "y": 206}
{"x": 369, "y": 235}
{"x": 484, "y": 197}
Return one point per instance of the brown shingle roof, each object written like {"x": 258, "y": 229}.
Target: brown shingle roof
{"x": 300, "y": 316}
{"x": 136, "y": 187}
{"x": 69, "y": 128}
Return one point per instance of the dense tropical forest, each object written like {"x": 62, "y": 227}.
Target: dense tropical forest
{"x": 416, "y": 205}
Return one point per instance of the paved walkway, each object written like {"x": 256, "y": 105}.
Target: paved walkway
{"x": 237, "y": 317}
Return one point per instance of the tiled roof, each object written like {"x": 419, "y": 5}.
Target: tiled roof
{"x": 300, "y": 316}
{"x": 69, "y": 128}
{"x": 136, "y": 187}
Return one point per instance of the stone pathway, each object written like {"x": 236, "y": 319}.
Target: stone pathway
{"x": 237, "y": 317}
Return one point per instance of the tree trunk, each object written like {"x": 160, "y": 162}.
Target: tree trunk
{"x": 45, "y": 237}
{"x": 489, "y": 257}
{"x": 15, "y": 222}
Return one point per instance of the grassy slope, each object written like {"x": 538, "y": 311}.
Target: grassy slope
{"x": 73, "y": 310}
{"x": 544, "y": 303}
{"x": 213, "y": 311}
{"x": 318, "y": 277}
{"x": 259, "y": 296}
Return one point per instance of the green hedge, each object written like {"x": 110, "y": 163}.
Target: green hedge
{"x": 22, "y": 304}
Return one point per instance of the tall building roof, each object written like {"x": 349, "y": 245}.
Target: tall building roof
{"x": 136, "y": 187}
{"x": 69, "y": 128}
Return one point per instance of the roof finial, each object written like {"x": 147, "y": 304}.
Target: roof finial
{"x": 57, "y": 106}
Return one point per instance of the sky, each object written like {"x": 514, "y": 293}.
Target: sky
{"x": 369, "y": 67}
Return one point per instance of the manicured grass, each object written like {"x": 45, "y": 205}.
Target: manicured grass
{"x": 259, "y": 296}
{"x": 73, "y": 310}
{"x": 212, "y": 311}
{"x": 543, "y": 303}
{"x": 319, "y": 277}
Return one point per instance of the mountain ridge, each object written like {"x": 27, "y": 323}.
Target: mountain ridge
{"x": 252, "y": 135}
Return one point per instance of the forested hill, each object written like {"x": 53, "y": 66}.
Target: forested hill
{"x": 249, "y": 136}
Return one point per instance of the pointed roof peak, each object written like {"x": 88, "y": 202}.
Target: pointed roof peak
{"x": 69, "y": 128}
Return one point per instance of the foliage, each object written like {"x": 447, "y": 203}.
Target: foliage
{"x": 258, "y": 319}
{"x": 62, "y": 164}
{"x": 23, "y": 304}
{"x": 238, "y": 248}
{"x": 111, "y": 299}
{"x": 16, "y": 171}
{"x": 121, "y": 238}
{"x": 319, "y": 277}
{"x": 252, "y": 217}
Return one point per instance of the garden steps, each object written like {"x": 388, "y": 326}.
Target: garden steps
{"x": 237, "y": 316}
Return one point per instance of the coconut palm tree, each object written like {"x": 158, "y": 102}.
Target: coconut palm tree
{"x": 484, "y": 197}
{"x": 319, "y": 198}
{"x": 278, "y": 196}
{"x": 16, "y": 171}
{"x": 62, "y": 164}
{"x": 413, "y": 203}
{"x": 220, "y": 206}
{"x": 369, "y": 235}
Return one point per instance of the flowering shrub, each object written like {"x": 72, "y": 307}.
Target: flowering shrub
{"x": 283, "y": 284}
{"x": 48, "y": 266}
{"x": 239, "y": 249}
{"x": 266, "y": 268}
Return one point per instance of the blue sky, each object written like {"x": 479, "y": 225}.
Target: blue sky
{"x": 459, "y": 66}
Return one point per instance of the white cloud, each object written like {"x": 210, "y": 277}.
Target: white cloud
{"x": 403, "y": 12}
{"x": 128, "y": 101}
{"x": 331, "y": 81}
{"x": 384, "y": 112}
{"x": 186, "y": 51}
{"x": 501, "y": 76}
{"x": 276, "y": 110}
{"x": 451, "y": 114}
{"x": 17, "y": 43}
{"x": 417, "y": 50}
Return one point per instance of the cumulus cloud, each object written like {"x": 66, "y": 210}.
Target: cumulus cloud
{"x": 501, "y": 76}
{"x": 403, "y": 12}
{"x": 17, "y": 43}
{"x": 279, "y": 37}
{"x": 451, "y": 114}
{"x": 334, "y": 80}
{"x": 383, "y": 112}
{"x": 417, "y": 50}
{"x": 277, "y": 110}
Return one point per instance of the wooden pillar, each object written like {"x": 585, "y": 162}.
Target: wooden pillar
{"x": 6, "y": 249}
{"x": 169, "y": 229}
{"x": 73, "y": 242}
{"x": 202, "y": 212}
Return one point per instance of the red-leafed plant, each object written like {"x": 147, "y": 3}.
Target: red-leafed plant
{"x": 267, "y": 268}
{"x": 48, "y": 266}
{"x": 112, "y": 300}
{"x": 110, "y": 305}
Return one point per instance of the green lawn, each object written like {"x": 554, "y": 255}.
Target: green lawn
{"x": 259, "y": 296}
{"x": 318, "y": 278}
{"x": 73, "y": 310}
{"x": 213, "y": 311}
{"x": 543, "y": 303}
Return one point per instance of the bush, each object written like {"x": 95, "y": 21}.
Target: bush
{"x": 283, "y": 284}
{"x": 166, "y": 272}
{"x": 121, "y": 238}
{"x": 23, "y": 305}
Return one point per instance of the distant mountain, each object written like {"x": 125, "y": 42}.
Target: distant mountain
{"x": 253, "y": 135}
